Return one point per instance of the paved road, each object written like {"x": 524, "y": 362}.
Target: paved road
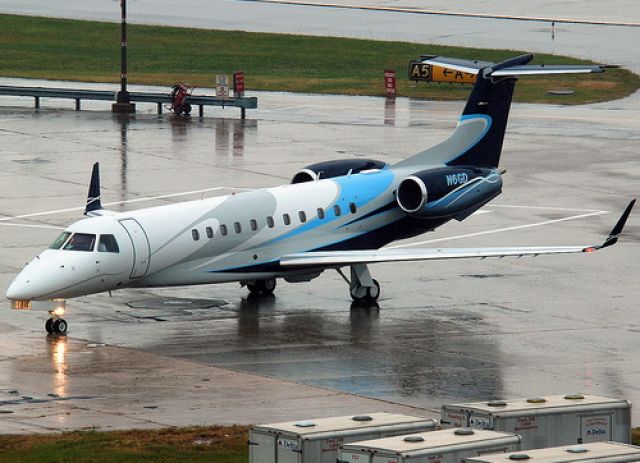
{"x": 607, "y": 44}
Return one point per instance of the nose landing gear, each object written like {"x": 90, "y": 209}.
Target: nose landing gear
{"x": 56, "y": 324}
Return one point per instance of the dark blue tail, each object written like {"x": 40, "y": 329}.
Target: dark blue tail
{"x": 477, "y": 139}
{"x": 491, "y": 98}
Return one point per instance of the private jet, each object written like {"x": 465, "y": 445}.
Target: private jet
{"x": 333, "y": 215}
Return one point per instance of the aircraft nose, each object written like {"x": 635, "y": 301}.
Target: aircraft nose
{"x": 39, "y": 278}
{"x": 22, "y": 288}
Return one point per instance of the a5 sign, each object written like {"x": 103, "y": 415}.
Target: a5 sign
{"x": 420, "y": 71}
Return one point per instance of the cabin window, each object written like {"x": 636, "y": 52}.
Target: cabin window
{"x": 320, "y": 213}
{"x": 223, "y": 230}
{"x": 254, "y": 224}
{"x": 303, "y": 216}
{"x": 336, "y": 210}
{"x": 237, "y": 227}
{"x": 60, "y": 240}
{"x": 286, "y": 219}
{"x": 195, "y": 234}
{"x": 80, "y": 242}
{"x": 108, "y": 243}
{"x": 353, "y": 208}
{"x": 209, "y": 232}
{"x": 270, "y": 222}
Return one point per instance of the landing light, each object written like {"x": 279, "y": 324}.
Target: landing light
{"x": 58, "y": 311}
{"x": 591, "y": 249}
{"x": 21, "y": 304}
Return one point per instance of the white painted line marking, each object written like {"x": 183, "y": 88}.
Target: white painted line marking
{"x": 25, "y": 225}
{"x": 499, "y": 230}
{"x": 392, "y": 9}
{"x": 549, "y": 208}
{"x": 136, "y": 200}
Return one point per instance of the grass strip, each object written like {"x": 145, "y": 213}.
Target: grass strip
{"x": 47, "y": 48}
{"x": 186, "y": 445}
{"x": 220, "y": 444}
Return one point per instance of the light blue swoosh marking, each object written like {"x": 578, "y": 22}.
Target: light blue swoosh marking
{"x": 489, "y": 122}
{"x": 358, "y": 188}
{"x": 331, "y": 243}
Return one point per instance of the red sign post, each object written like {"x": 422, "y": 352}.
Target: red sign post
{"x": 238, "y": 84}
{"x": 390, "y": 83}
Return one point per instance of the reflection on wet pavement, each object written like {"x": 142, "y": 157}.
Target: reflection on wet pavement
{"x": 57, "y": 346}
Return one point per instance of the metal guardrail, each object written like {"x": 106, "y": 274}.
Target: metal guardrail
{"x": 159, "y": 99}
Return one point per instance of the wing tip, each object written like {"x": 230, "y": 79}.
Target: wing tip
{"x": 617, "y": 228}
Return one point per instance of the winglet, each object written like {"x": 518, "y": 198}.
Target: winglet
{"x": 617, "y": 229}
{"x": 93, "y": 197}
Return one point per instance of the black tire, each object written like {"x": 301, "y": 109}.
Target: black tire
{"x": 264, "y": 287}
{"x": 48, "y": 325}
{"x": 60, "y": 326}
{"x": 186, "y": 109}
{"x": 371, "y": 295}
{"x": 253, "y": 288}
{"x": 267, "y": 286}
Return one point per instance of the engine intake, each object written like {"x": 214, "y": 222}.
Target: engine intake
{"x": 337, "y": 168}
{"x": 447, "y": 191}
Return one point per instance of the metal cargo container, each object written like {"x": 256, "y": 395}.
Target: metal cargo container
{"x": 444, "y": 446}
{"x": 547, "y": 421}
{"x": 317, "y": 441}
{"x": 595, "y": 451}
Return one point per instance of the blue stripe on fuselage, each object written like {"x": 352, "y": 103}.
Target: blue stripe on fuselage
{"x": 360, "y": 189}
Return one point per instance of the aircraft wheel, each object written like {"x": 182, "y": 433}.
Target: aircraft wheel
{"x": 60, "y": 326}
{"x": 373, "y": 292}
{"x": 186, "y": 108}
{"x": 267, "y": 286}
{"x": 49, "y": 326}
{"x": 365, "y": 294}
{"x": 253, "y": 288}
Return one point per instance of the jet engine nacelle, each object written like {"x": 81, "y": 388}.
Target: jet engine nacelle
{"x": 337, "y": 168}
{"x": 448, "y": 191}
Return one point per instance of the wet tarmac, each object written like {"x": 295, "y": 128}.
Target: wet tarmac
{"x": 443, "y": 331}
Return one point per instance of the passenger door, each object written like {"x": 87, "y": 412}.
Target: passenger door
{"x": 141, "y": 249}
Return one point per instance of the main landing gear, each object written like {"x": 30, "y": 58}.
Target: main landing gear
{"x": 363, "y": 289}
{"x": 56, "y": 324}
{"x": 262, "y": 287}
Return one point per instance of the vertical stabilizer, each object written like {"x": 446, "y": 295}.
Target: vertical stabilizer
{"x": 478, "y": 137}
{"x": 93, "y": 197}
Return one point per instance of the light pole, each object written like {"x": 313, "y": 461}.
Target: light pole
{"x": 123, "y": 104}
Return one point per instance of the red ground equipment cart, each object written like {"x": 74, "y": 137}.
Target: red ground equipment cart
{"x": 180, "y": 93}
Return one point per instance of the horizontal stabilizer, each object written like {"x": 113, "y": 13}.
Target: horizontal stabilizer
{"x": 462, "y": 65}
{"x": 513, "y": 67}
{"x": 542, "y": 69}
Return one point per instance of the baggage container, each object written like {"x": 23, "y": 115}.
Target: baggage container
{"x": 595, "y": 451}
{"x": 547, "y": 421}
{"x": 444, "y": 446}
{"x": 317, "y": 441}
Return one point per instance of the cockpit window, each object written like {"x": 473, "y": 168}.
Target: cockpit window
{"x": 60, "y": 240}
{"x": 80, "y": 242}
{"x": 108, "y": 243}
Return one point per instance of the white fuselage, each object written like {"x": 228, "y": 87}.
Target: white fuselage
{"x": 239, "y": 237}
